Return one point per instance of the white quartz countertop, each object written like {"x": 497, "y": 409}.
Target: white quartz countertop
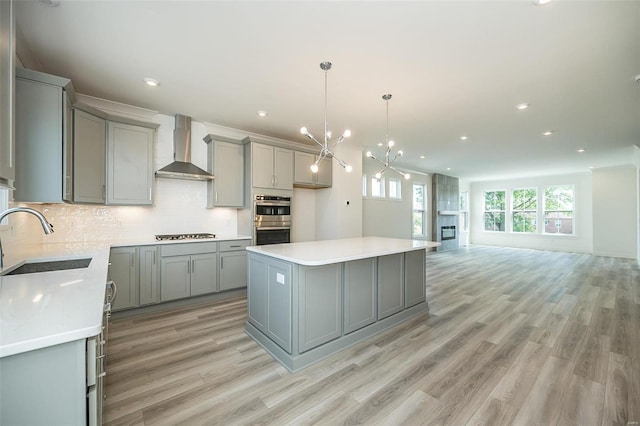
{"x": 49, "y": 308}
{"x": 313, "y": 253}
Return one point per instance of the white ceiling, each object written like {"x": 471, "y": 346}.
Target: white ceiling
{"x": 453, "y": 67}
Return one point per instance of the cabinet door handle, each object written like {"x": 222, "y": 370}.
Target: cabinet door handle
{"x": 193, "y": 266}
{"x": 234, "y": 246}
{"x": 216, "y": 196}
{"x": 149, "y": 193}
{"x": 154, "y": 257}
{"x": 132, "y": 256}
{"x": 221, "y": 262}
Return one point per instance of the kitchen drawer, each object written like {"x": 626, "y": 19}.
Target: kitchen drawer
{"x": 234, "y": 245}
{"x": 187, "y": 248}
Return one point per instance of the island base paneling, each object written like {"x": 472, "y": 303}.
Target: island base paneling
{"x": 301, "y": 314}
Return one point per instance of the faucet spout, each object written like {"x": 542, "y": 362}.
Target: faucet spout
{"x": 46, "y": 226}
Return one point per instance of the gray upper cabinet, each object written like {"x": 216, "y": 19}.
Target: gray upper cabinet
{"x": 226, "y": 163}
{"x": 271, "y": 167}
{"x": 89, "y": 162}
{"x": 129, "y": 164}
{"x": 305, "y": 178}
{"x": 43, "y": 137}
{"x": 7, "y": 79}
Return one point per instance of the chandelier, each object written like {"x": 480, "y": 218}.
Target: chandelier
{"x": 386, "y": 164}
{"x": 325, "y": 150}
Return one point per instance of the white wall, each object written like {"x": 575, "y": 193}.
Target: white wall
{"x": 582, "y": 241}
{"x": 384, "y": 217}
{"x": 303, "y": 215}
{"x": 334, "y": 218}
{"x": 615, "y": 217}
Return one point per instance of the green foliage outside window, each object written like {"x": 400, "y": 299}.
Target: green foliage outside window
{"x": 524, "y": 204}
{"x": 494, "y": 211}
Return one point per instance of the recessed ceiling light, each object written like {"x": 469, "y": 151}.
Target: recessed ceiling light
{"x": 592, "y": 167}
{"x": 464, "y": 138}
{"x": 263, "y": 113}
{"x": 541, "y": 2}
{"x": 448, "y": 168}
{"x": 548, "y": 133}
{"x": 522, "y": 106}
{"x": 151, "y": 81}
{"x": 422, "y": 157}
{"x": 581, "y": 150}
{"x": 379, "y": 143}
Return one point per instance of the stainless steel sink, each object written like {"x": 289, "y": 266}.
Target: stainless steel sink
{"x": 53, "y": 265}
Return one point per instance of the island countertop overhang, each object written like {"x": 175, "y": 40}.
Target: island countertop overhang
{"x": 325, "y": 252}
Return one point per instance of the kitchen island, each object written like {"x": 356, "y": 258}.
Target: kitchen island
{"x": 307, "y": 301}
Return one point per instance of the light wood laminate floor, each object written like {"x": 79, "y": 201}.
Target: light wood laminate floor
{"x": 513, "y": 336}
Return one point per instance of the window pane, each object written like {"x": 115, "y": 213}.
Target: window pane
{"x": 494, "y": 221}
{"x": 395, "y": 190}
{"x": 364, "y": 185}
{"x": 418, "y": 197}
{"x": 494, "y": 200}
{"x": 377, "y": 187}
{"x": 463, "y": 201}
{"x": 559, "y": 222}
{"x": 418, "y": 223}
{"x": 524, "y": 222}
{"x": 558, "y": 197}
{"x": 525, "y": 199}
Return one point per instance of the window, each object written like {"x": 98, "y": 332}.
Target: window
{"x": 464, "y": 211}
{"x": 364, "y": 185}
{"x": 524, "y": 210}
{"x": 558, "y": 209}
{"x": 377, "y": 187}
{"x": 395, "y": 189}
{"x": 494, "y": 211}
{"x": 419, "y": 207}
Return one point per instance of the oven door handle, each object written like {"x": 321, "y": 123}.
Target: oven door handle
{"x": 273, "y": 204}
{"x": 274, "y": 228}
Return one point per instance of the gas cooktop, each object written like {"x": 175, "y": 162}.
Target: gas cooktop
{"x": 184, "y": 236}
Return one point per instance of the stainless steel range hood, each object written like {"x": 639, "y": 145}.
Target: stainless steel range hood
{"x": 182, "y": 168}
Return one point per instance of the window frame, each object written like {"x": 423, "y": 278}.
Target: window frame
{"x": 422, "y": 212}
{"x": 543, "y": 211}
{"x": 398, "y": 183}
{"x": 380, "y": 183}
{"x": 493, "y": 211}
{"x": 534, "y": 211}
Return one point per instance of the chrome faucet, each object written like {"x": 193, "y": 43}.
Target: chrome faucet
{"x": 46, "y": 226}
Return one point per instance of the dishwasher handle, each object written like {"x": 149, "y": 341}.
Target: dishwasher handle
{"x": 112, "y": 290}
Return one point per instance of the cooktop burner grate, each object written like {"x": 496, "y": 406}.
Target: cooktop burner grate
{"x": 184, "y": 236}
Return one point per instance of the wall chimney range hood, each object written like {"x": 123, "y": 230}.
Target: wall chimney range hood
{"x": 182, "y": 168}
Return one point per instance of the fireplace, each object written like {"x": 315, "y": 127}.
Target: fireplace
{"x": 447, "y": 233}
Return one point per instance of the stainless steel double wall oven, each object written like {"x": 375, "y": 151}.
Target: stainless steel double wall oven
{"x": 272, "y": 219}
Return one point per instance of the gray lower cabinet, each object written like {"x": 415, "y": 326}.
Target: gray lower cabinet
{"x": 89, "y": 162}
{"x": 149, "y": 284}
{"x": 360, "y": 294}
{"x": 270, "y": 299}
{"x": 175, "y": 281}
{"x": 123, "y": 272}
{"x": 129, "y": 164}
{"x": 233, "y": 264}
{"x": 203, "y": 273}
{"x": 187, "y": 270}
{"x": 233, "y": 270}
{"x": 414, "y": 275}
{"x": 7, "y": 82}
{"x": 390, "y": 285}
{"x": 320, "y": 305}
{"x": 46, "y": 386}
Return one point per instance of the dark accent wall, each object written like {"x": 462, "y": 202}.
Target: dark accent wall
{"x": 445, "y": 201}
